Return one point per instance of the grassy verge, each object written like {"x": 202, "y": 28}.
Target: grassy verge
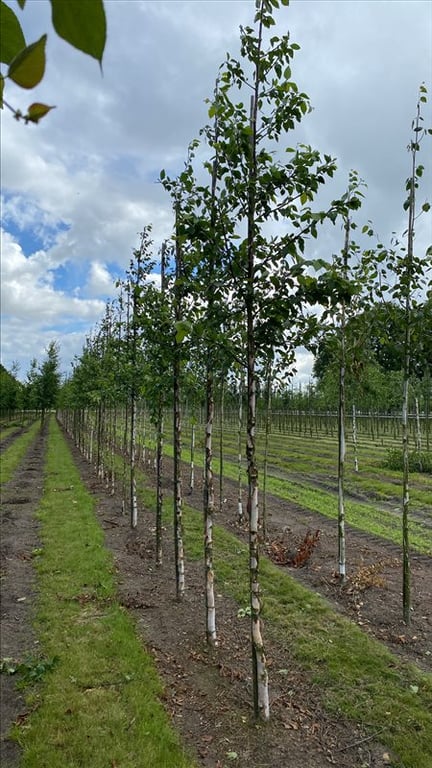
{"x": 99, "y": 706}
{"x": 358, "y": 676}
{"x": 13, "y": 456}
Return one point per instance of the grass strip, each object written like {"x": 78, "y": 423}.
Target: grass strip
{"x": 362, "y": 516}
{"x": 359, "y": 677}
{"x": 100, "y": 704}
{"x": 374, "y": 479}
{"x": 6, "y": 431}
{"x": 13, "y": 456}
{"x": 365, "y": 517}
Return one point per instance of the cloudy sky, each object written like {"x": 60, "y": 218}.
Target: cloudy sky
{"x": 79, "y": 187}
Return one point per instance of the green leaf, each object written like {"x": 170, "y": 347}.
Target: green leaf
{"x": 183, "y": 328}
{"x": 12, "y": 39}
{"x": 1, "y": 91}
{"x": 36, "y": 111}
{"x": 28, "y": 67}
{"x": 21, "y": 3}
{"x": 81, "y": 23}
{"x": 426, "y": 207}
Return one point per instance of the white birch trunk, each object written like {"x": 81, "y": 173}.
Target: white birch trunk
{"x": 209, "y": 505}
{"x": 259, "y": 664}
{"x": 192, "y": 461}
{"x": 240, "y": 515}
{"x": 221, "y": 453}
{"x": 133, "y": 490}
{"x": 266, "y": 446}
{"x": 341, "y": 425}
{"x": 159, "y": 491}
{"x": 354, "y": 438}
{"x": 406, "y": 566}
{"x": 418, "y": 426}
{"x": 177, "y": 367}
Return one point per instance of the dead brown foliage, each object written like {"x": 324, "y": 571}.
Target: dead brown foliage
{"x": 281, "y": 553}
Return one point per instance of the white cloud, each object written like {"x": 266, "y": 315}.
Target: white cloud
{"x": 100, "y": 282}
{"x": 34, "y": 312}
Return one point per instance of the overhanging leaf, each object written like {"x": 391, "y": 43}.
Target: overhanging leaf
{"x": 21, "y": 3}
{"x": 12, "y": 39}
{"x": 81, "y": 23}
{"x": 36, "y": 111}
{"x": 28, "y": 67}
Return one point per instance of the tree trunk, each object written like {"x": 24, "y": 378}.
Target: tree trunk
{"x": 192, "y": 459}
{"x": 408, "y": 268}
{"x": 341, "y": 425}
{"x": 132, "y": 476}
{"x": 259, "y": 664}
{"x": 266, "y": 446}
{"x": 209, "y": 504}
{"x": 221, "y": 449}
{"x": 354, "y": 437}
{"x": 239, "y": 441}
{"x": 178, "y": 495}
{"x": 159, "y": 490}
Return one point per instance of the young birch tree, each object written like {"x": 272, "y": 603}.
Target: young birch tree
{"x": 405, "y": 275}
{"x": 268, "y": 284}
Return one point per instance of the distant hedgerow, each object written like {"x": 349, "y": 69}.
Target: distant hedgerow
{"x": 419, "y": 461}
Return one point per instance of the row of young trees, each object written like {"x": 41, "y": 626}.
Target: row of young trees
{"x": 238, "y": 295}
{"x": 40, "y": 390}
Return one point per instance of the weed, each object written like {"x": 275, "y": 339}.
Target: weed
{"x": 31, "y": 670}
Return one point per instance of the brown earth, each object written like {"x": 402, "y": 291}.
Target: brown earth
{"x": 208, "y": 693}
{"x": 19, "y": 502}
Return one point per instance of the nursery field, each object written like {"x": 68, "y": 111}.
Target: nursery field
{"x": 301, "y": 468}
{"x": 112, "y": 670}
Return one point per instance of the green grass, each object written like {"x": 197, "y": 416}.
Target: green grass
{"x": 10, "y": 430}
{"x": 365, "y": 517}
{"x": 305, "y": 459}
{"x": 100, "y": 705}
{"x": 13, "y": 456}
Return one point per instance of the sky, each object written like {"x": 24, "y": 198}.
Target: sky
{"x": 79, "y": 187}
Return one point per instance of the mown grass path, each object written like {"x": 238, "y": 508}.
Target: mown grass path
{"x": 99, "y": 706}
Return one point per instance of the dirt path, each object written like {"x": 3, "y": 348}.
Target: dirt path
{"x": 20, "y": 499}
{"x": 208, "y": 693}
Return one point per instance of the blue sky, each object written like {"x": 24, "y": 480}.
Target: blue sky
{"x": 79, "y": 187}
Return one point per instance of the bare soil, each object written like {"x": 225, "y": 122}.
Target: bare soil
{"x": 208, "y": 692}
{"x": 19, "y": 502}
